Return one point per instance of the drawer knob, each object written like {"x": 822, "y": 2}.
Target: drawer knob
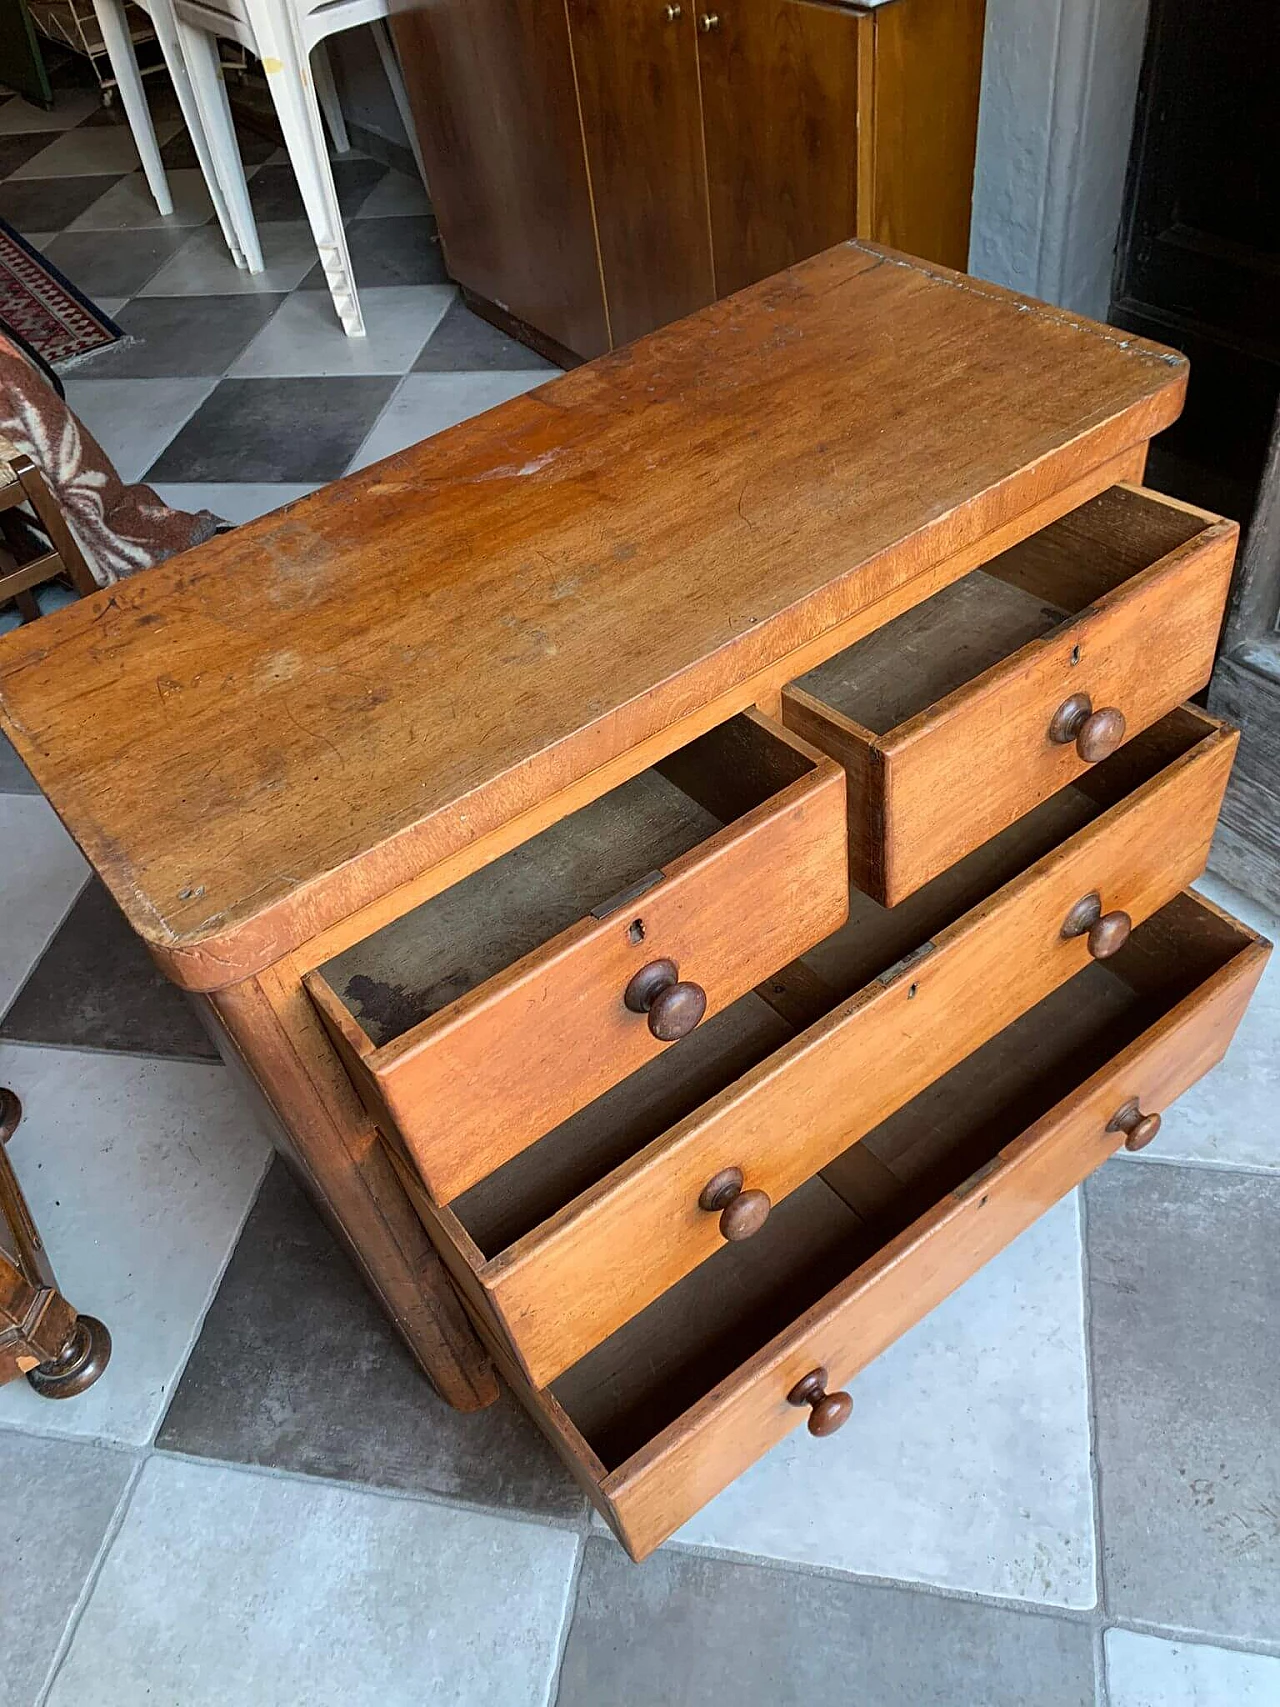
{"x": 1138, "y": 1128}
{"x": 827, "y": 1411}
{"x": 1096, "y": 734}
{"x": 674, "y": 1008}
{"x": 741, "y": 1213}
{"x": 709, "y": 21}
{"x": 1107, "y": 932}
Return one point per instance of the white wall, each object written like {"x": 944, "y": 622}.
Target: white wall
{"x": 1058, "y": 86}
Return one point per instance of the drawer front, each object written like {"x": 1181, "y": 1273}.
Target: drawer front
{"x": 658, "y": 1488}
{"x": 571, "y": 1282}
{"x": 470, "y": 1088}
{"x": 940, "y": 784}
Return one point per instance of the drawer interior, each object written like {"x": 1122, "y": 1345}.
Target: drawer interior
{"x": 582, "y": 1150}
{"x": 952, "y": 638}
{"x": 606, "y": 851}
{"x": 661, "y": 1362}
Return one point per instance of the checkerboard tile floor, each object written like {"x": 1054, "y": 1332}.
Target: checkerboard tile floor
{"x": 1062, "y": 1488}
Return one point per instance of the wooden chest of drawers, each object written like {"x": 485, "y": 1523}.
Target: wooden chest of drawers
{"x": 696, "y": 860}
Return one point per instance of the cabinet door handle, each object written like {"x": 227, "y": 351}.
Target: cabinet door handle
{"x": 827, "y": 1411}
{"x": 709, "y": 21}
{"x": 1107, "y": 932}
{"x": 1096, "y": 734}
{"x": 672, "y": 13}
{"x": 742, "y": 1213}
{"x": 674, "y": 1008}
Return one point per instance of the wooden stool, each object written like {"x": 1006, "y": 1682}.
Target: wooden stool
{"x": 21, "y": 482}
{"x": 41, "y": 1336}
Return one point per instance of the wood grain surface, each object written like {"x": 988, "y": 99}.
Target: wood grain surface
{"x": 256, "y": 738}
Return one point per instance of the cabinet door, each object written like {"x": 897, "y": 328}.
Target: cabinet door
{"x": 780, "y": 105}
{"x": 637, "y": 76}
{"x": 490, "y": 85}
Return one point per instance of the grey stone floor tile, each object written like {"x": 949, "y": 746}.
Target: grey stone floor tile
{"x": 100, "y": 264}
{"x": 41, "y": 874}
{"x": 463, "y": 342}
{"x": 226, "y": 1588}
{"x": 49, "y": 204}
{"x": 274, "y": 193}
{"x": 685, "y": 1631}
{"x": 15, "y": 778}
{"x": 302, "y": 431}
{"x": 298, "y": 1368}
{"x": 1146, "y": 1671}
{"x": 58, "y": 1500}
{"x": 171, "y": 337}
{"x": 96, "y": 987}
{"x": 134, "y": 419}
{"x": 1185, "y": 1281}
{"x": 390, "y": 251}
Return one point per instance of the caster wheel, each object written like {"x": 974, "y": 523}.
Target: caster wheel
{"x": 10, "y": 1114}
{"x": 81, "y": 1361}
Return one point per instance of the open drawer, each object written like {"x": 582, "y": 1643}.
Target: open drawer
{"x": 585, "y": 1228}
{"x": 985, "y": 699}
{"x": 670, "y": 1409}
{"x": 489, "y": 1014}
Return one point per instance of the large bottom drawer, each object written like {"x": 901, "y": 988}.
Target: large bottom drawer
{"x": 678, "y": 1402}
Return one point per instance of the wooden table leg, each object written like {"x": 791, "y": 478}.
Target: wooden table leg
{"x": 60, "y": 1352}
{"x": 268, "y": 1027}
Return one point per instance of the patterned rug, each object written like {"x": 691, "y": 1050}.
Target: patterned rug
{"x": 43, "y": 307}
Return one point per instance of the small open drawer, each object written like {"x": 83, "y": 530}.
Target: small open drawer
{"x": 489, "y": 1014}
{"x": 586, "y": 1227}
{"x": 981, "y": 701}
{"x": 669, "y": 1410}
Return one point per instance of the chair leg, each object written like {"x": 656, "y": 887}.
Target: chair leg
{"x": 165, "y": 26}
{"x": 395, "y": 77}
{"x": 327, "y": 96}
{"x": 284, "y": 59}
{"x": 199, "y": 52}
{"x": 124, "y": 68}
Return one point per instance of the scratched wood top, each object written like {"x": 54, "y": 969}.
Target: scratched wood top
{"x": 259, "y": 736}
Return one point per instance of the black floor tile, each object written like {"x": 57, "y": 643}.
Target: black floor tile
{"x": 15, "y": 778}
{"x": 465, "y": 343}
{"x": 178, "y": 152}
{"x": 114, "y": 263}
{"x": 297, "y": 1367}
{"x": 96, "y": 987}
{"x": 16, "y": 150}
{"x": 180, "y": 337}
{"x": 50, "y": 204}
{"x": 1184, "y": 1280}
{"x": 273, "y": 190}
{"x": 258, "y": 430}
{"x": 390, "y": 252}
{"x": 679, "y": 1631}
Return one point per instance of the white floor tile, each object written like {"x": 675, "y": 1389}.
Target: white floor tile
{"x": 104, "y": 149}
{"x": 227, "y": 1589}
{"x": 234, "y": 502}
{"x": 139, "y": 1174}
{"x": 395, "y": 196}
{"x": 134, "y": 419}
{"x": 127, "y": 205}
{"x": 966, "y": 1460}
{"x": 110, "y": 305}
{"x": 427, "y": 403}
{"x": 1144, "y": 1671}
{"x": 69, "y": 107}
{"x": 203, "y": 266}
{"x": 1230, "y": 1116}
{"x": 41, "y": 873}
{"x": 304, "y": 337}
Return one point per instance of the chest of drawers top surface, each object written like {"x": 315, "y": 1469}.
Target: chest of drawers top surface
{"x": 256, "y": 738}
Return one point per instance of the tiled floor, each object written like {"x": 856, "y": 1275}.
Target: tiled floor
{"x": 1063, "y": 1488}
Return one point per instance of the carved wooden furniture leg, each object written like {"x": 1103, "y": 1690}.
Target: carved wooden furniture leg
{"x": 41, "y": 1336}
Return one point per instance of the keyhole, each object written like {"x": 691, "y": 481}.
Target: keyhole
{"x": 635, "y": 931}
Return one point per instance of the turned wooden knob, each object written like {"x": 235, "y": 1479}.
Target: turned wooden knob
{"x": 1096, "y": 734}
{"x": 1138, "y": 1128}
{"x": 1107, "y": 932}
{"x": 674, "y": 1008}
{"x": 741, "y": 1213}
{"x": 827, "y": 1411}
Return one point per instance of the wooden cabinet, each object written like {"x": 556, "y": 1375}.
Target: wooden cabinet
{"x": 624, "y": 162}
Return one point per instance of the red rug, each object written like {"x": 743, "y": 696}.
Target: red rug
{"x": 46, "y": 309}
